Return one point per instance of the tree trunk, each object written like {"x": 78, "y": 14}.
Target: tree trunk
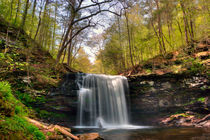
{"x": 185, "y": 22}
{"x": 25, "y": 14}
{"x": 64, "y": 44}
{"x": 54, "y": 28}
{"x": 43, "y": 34}
{"x": 129, "y": 39}
{"x": 180, "y": 30}
{"x": 120, "y": 42}
{"x": 159, "y": 41}
{"x": 33, "y": 14}
{"x": 39, "y": 23}
{"x": 11, "y": 8}
{"x": 17, "y": 11}
{"x": 160, "y": 27}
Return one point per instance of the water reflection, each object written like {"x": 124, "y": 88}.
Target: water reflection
{"x": 152, "y": 134}
{"x": 158, "y": 134}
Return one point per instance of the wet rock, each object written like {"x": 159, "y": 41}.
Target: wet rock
{"x": 166, "y": 85}
{"x": 186, "y": 120}
{"x": 89, "y": 136}
{"x": 190, "y": 113}
{"x": 167, "y": 94}
{"x": 164, "y": 103}
{"x": 207, "y": 102}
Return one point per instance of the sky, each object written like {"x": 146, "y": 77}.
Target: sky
{"x": 95, "y": 32}
{"x": 89, "y": 50}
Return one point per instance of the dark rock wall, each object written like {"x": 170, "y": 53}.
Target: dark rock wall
{"x": 64, "y": 99}
{"x": 156, "y": 96}
{"x": 150, "y": 96}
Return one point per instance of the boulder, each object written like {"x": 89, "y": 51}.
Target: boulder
{"x": 89, "y": 136}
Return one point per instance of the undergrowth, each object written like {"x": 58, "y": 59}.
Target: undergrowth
{"x": 13, "y": 124}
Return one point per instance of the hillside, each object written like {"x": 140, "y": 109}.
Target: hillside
{"x": 27, "y": 74}
{"x": 190, "y": 60}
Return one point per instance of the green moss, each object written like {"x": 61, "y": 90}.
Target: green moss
{"x": 19, "y": 124}
{"x": 44, "y": 114}
{"x": 29, "y": 100}
{"x": 202, "y": 99}
{"x": 12, "y": 113}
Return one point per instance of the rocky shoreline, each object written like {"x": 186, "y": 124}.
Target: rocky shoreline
{"x": 187, "y": 119}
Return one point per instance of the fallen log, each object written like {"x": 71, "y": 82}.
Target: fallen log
{"x": 53, "y": 128}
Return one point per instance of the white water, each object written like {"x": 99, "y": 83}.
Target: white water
{"x": 102, "y": 101}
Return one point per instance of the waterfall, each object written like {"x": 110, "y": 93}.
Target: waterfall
{"x": 102, "y": 101}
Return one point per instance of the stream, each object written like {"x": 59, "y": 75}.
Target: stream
{"x": 156, "y": 133}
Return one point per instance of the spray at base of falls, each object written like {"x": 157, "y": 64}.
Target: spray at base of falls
{"x": 102, "y": 101}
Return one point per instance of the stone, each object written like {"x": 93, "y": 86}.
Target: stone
{"x": 89, "y": 136}
{"x": 190, "y": 113}
{"x": 151, "y": 83}
{"x": 164, "y": 103}
{"x": 207, "y": 102}
{"x": 166, "y": 85}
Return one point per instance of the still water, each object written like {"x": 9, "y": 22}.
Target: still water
{"x": 151, "y": 133}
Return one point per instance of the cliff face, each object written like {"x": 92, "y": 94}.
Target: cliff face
{"x": 155, "y": 96}
{"x": 151, "y": 97}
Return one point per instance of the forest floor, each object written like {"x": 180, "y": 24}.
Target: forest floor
{"x": 194, "y": 59}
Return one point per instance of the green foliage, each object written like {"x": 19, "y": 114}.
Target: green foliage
{"x": 6, "y": 91}
{"x": 9, "y": 104}
{"x": 144, "y": 37}
{"x": 19, "y": 124}
{"x": 49, "y": 134}
{"x": 2, "y": 56}
{"x": 13, "y": 112}
{"x": 202, "y": 99}
{"x": 25, "y": 98}
{"x": 45, "y": 114}
{"x": 28, "y": 100}
{"x": 2, "y": 44}
{"x": 195, "y": 67}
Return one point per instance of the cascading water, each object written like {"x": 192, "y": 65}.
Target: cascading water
{"x": 102, "y": 101}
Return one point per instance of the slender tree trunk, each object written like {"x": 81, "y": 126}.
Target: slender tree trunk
{"x": 159, "y": 41}
{"x": 169, "y": 30}
{"x": 25, "y": 14}
{"x": 120, "y": 42}
{"x": 185, "y": 22}
{"x": 64, "y": 44}
{"x": 54, "y": 28}
{"x": 17, "y": 11}
{"x": 64, "y": 55}
{"x": 69, "y": 50}
{"x": 180, "y": 30}
{"x": 43, "y": 33}
{"x": 129, "y": 39}
{"x": 160, "y": 27}
{"x": 39, "y": 23}
{"x": 11, "y": 9}
{"x": 33, "y": 14}
{"x": 191, "y": 27}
